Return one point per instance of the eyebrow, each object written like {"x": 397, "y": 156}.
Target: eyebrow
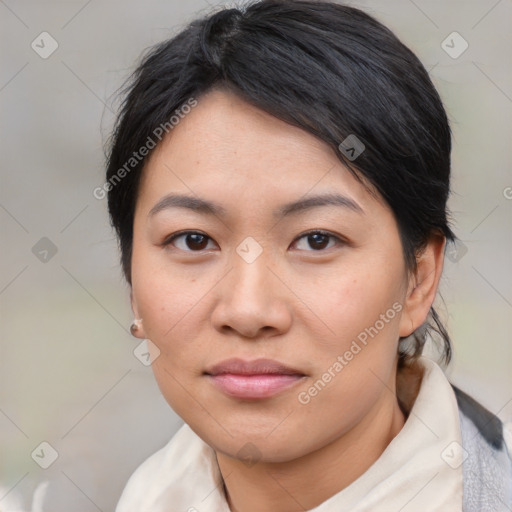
{"x": 210, "y": 208}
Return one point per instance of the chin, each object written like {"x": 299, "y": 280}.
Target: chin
{"x": 263, "y": 450}
{"x": 255, "y": 443}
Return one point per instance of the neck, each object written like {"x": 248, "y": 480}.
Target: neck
{"x": 288, "y": 486}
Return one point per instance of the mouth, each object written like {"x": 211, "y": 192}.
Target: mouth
{"x": 253, "y": 380}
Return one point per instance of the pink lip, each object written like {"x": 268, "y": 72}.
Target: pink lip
{"x": 254, "y": 386}
{"x": 261, "y": 378}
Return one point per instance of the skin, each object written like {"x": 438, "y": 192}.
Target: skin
{"x": 200, "y": 302}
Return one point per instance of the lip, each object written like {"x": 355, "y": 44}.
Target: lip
{"x": 255, "y": 367}
{"x": 257, "y": 379}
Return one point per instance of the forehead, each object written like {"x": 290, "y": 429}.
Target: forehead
{"x": 229, "y": 150}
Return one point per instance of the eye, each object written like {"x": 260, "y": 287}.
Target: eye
{"x": 193, "y": 241}
{"x": 318, "y": 240}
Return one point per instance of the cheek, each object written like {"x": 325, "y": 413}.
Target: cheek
{"x": 355, "y": 361}
{"x": 163, "y": 296}
{"x": 171, "y": 304}
{"x": 356, "y": 300}
{"x": 341, "y": 302}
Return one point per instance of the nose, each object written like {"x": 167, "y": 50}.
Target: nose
{"x": 253, "y": 301}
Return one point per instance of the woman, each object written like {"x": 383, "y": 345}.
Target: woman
{"x": 278, "y": 179}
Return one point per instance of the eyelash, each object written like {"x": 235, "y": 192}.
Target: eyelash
{"x": 168, "y": 241}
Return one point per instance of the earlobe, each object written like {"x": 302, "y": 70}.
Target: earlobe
{"x": 136, "y": 328}
{"x": 423, "y": 285}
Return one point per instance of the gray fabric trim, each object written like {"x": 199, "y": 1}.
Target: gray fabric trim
{"x": 488, "y": 424}
{"x": 486, "y": 470}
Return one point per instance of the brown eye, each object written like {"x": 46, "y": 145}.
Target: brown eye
{"x": 191, "y": 241}
{"x": 317, "y": 240}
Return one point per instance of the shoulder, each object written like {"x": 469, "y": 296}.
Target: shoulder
{"x": 487, "y": 456}
{"x": 489, "y": 426}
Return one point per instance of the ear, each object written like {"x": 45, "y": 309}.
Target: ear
{"x": 138, "y": 333}
{"x": 423, "y": 285}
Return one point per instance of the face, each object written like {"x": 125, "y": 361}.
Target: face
{"x": 317, "y": 288}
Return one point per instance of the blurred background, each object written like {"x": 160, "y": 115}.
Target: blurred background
{"x": 68, "y": 374}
